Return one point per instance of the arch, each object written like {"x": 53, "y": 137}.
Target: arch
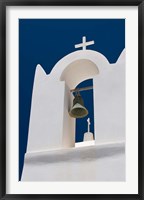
{"x": 78, "y": 71}
{"x": 79, "y": 66}
{"x": 73, "y": 69}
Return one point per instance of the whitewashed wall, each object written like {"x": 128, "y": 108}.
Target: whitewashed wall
{"x": 109, "y": 103}
{"x": 52, "y": 128}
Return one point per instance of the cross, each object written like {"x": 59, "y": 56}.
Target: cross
{"x": 84, "y": 43}
{"x": 88, "y": 121}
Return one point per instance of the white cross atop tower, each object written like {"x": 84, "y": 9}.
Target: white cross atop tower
{"x": 84, "y": 43}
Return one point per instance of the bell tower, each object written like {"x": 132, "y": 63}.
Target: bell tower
{"x": 51, "y": 134}
{"x": 51, "y": 126}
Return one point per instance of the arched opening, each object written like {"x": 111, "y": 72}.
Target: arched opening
{"x": 81, "y": 123}
{"x": 79, "y": 71}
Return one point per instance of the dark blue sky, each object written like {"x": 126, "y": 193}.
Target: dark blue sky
{"x": 45, "y": 42}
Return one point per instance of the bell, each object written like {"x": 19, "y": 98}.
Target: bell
{"x": 78, "y": 110}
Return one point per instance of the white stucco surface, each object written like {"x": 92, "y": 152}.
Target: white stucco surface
{"x": 88, "y": 136}
{"x": 104, "y": 162}
{"x": 50, "y": 154}
{"x": 109, "y": 102}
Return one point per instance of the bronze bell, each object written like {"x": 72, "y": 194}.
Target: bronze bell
{"x": 78, "y": 110}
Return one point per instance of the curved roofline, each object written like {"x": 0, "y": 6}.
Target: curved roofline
{"x": 97, "y": 58}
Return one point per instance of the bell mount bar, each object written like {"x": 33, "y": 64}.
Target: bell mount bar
{"x": 82, "y": 89}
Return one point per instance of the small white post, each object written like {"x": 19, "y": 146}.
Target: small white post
{"x": 88, "y": 121}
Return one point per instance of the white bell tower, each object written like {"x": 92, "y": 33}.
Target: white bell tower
{"x": 50, "y": 127}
